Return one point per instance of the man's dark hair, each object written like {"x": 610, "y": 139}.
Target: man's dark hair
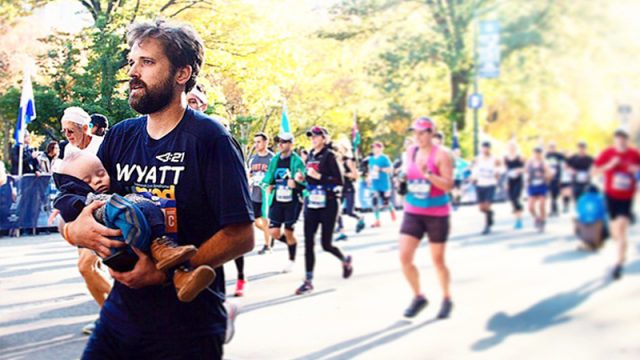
{"x": 181, "y": 43}
{"x": 262, "y": 135}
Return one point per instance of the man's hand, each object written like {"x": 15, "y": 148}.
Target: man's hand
{"x": 291, "y": 184}
{"x": 85, "y": 231}
{"x": 299, "y": 177}
{"x": 143, "y": 274}
{"x": 313, "y": 173}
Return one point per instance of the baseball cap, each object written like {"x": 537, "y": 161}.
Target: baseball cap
{"x": 76, "y": 115}
{"x": 317, "y": 130}
{"x": 99, "y": 120}
{"x": 621, "y": 132}
{"x": 423, "y": 123}
{"x": 285, "y": 136}
{"x": 486, "y": 144}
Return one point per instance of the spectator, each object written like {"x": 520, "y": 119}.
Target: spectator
{"x": 30, "y": 164}
{"x": 99, "y": 125}
{"x": 49, "y": 159}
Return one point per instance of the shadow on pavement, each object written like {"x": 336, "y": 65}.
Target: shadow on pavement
{"x": 281, "y": 300}
{"x": 568, "y": 255}
{"x": 367, "y": 342}
{"x": 255, "y": 277}
{"x": 544, "y": 314}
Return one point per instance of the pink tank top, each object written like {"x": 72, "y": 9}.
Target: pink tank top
{"x": 422, "y": 197}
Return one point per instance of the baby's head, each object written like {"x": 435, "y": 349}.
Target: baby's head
{"x": 88, "y": 168}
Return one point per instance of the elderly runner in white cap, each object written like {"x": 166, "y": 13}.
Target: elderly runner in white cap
{"x": 75, "y": 126}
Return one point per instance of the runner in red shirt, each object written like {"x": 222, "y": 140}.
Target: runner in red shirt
{"x": 619, "y": 164}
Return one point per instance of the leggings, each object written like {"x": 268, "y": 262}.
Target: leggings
{"x": 312, "y": 219}
{"x": 348, "y": 201}
{"x": 515, "y": 193}
{"x": 554, "y": 188}
{"x": 240, "y": 267}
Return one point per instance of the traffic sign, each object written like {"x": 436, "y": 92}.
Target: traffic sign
{"x": 475, "y": 101}
{"x": 488, "y": 50}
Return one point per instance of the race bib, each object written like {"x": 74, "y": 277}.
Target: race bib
{"x": 284, "y": 194}
{"x": 375, "y": 174}
{"x": 486, "y": 173}
{"x": 317, "y": 198}
{"x": 420, "y": 189}
{"x": 537, "y": 182}
{"x": 582, "y": 177}
{"x": 622, "y": 182}
{"x": 513, "y": 173}
{"x": 257, "y": 178}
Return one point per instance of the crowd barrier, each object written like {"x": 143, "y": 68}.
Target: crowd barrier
{"x": 26, "y": 202}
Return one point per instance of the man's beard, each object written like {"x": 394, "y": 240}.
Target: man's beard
{"x": 154, "y": 99}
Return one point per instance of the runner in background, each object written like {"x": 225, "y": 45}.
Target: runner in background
{"x": 348, "y": 162}
{"x": 283, "y": 194}
{"x": 555, "y": 161}
{"x": 566, "y": 191}
{"x": 514, "y": 164}
{"x": 323, "y": 177}
{"x": 258, "y": 164}
{"x": 429, "y": 177}
{"x": 538, "y": 176}
{"x": 460, "y": 172}
{"x": 619, "y": 163}
{"x": 580, "y": 165}
{"x": 380, "y": 171}
{"x": 485, "y": 175}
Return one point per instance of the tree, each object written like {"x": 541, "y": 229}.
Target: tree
{"x": 438, "y": 33}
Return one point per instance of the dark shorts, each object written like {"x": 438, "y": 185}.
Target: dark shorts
{"x": 618, "y": 208}
{"x": 436, "y": 227}
{"x": 537, "y": 191}
{"x": 257, "y": 209}
{"x": 109, "y": 343}
{"x": 381, "y": 198}
{"x": 485, "y": 194}
{"x": 286, "y": 214}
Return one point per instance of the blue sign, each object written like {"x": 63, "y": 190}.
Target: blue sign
{"x": 475, "y": 101}
{"x": 488, "y": 56}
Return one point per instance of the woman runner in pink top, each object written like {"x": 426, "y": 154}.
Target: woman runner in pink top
{"x": 429, "y": 173}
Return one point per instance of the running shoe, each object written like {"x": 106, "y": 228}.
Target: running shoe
{"x": 617, "y": 272}
{"x": 341, "y": 237}
{"x": 305, "y": 288}
{"x": 445, "y": 309}
{"x": 347, "y": 267}
{"x": 232, "y": 313}
{"x": 89, "y": 328}
{"x": 393, "y": 215}
{"x": 486, "y": 231}
{"x": 376, "y": 224}
{"x": 360, "y": 226}
{"x": 417, "y": 304}
{"x": 518, "y": 224}
{"x": 289, "y": 267}
{"x": 240, "y": 288}
{"x": 265, "y": 250}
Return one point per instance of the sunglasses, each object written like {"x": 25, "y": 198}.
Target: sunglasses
{"x": 67, "y": 132}
{"x": 284, "y": 142}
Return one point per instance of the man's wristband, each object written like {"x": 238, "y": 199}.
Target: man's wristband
{"x": 65, "y": 234}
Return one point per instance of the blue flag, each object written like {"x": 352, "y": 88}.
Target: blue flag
{"x": 27, "y": 111}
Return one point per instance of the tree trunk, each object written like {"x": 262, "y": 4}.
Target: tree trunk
{"x": 460, "y": 82}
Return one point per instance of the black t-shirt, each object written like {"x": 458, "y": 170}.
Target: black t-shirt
{"x": 200, "y": 167}
{"x": 281, "y": 177}
{"x": 555, "y": 161}
{"x": 581, "y": 166}
{"x": 513, "y": 165}
{"x": 326, "y": 164}
{"x": 348, "y": 182}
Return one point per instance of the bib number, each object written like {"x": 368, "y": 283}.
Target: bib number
{"x": 317, "y": 199}
{"x": 622, "y": 182}
{"x": 283, "y": 193}
{"x": 537, "y": 182}
{"x": 582, "y": 177}
{"x": 513, "y": 173}
{"x": 375, "y": 174}
{"x": 420, "y": 189}
{"x": 257, "y": 178}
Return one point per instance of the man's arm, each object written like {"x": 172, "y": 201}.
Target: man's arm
{"x": 227, "y": 244}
